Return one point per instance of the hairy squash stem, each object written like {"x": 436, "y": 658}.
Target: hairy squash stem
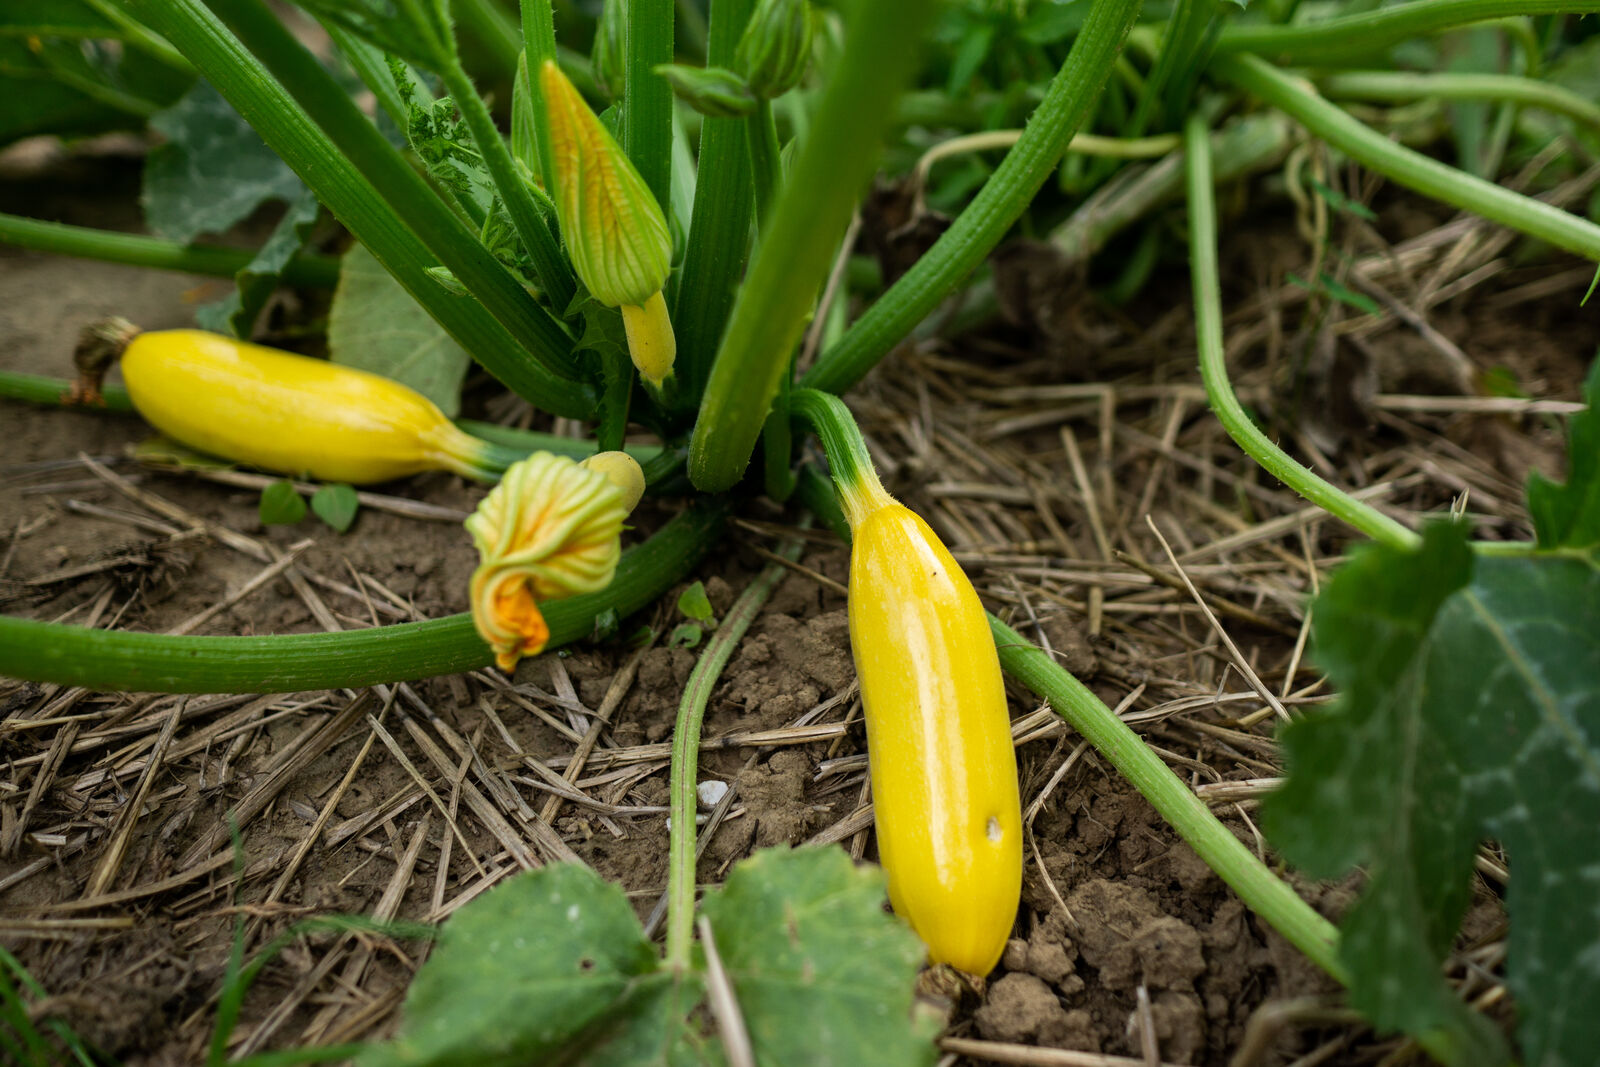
{"x": 1410, "y": 168}
{"x": 137, "y": 250}
{"x": 686, "y": 750}
{"x": 1071, "y": 98}
{"x": 1264, "y": 893}
{"x": 1375, "y": 31}
{"x": 117, "y": 660}
{"x": 942, "y": 764}
{"x": 1213, "y": 361}
{"x": 800, "y": 240}
{"x": 1397, "y": 86}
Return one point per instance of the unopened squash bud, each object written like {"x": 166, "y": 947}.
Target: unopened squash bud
{"x": 623, "y": 471}
{"x": 612, "y": 225}
{"x": 551, "y": 529}
{"x": 775, "y": 47}
{"x": 713, "y": 91}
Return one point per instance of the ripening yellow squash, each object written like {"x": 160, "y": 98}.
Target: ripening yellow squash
{"x": 290, "y": 413}
{"x": 943, "y": 769}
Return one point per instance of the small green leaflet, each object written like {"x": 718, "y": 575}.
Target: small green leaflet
{"x": 1327, "y": 283}
{"x": 552, "y": 967}
{"x": 1469, "y": 709}
{"x": 281, "y": 504}
{"x": 694, "y": 603}
{"x": 376, "y": 326}
{"x": 336, "y": 505}
{"x": 1567, "y": 514}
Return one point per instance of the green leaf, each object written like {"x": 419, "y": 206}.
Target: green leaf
{"x": 213, "y": 170}
{"x": 1469, "y": 709}
{"x": 236, "y": 313}
{"x": 375, "y": 325}
{"x": 424, "y": 41}
{"x": 1567, "y": 514}
{"x": 822, "y": 973}
{"x": 336, "y": 504}
{"x": 1328, "y": 285}
{"x": 694, "y": 603}
{"x": 1343, "y": 204}
{"x": 55, "y": 18}
{"x": 549, "y": 967}
{"x": 686, "y": 635}
{"x": 73, "y": 88}
{"x": 281, "y": 504}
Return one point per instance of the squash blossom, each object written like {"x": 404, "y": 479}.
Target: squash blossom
{"x": 614, "y": 229}
{"x": 551, "y": 529}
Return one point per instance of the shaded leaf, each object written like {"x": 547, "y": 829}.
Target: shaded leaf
{"x": 549, "y": 967}
{"x": 1567, "y": 514}
{"x": 213, "y": 171}
{"x": 236, "y": 313}
{"x": 375, "y": 325}
{"x": 1469, "y": 709}
{"x": 336, "y": 504}
{"x": 822, "y": 973}
{"x": 281, "y": 504}
{"x": 387, "y": 25}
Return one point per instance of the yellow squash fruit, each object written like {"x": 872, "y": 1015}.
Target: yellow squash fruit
{"x": 289, "y": 413}
{"x": 943, "y": 769}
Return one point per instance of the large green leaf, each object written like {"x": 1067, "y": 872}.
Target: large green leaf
{"x": 72, "y": 88}
{"x": 822, "y": 974}
{"x": 54, "y": 18}
{"x": 213, "y": 171}
{"x": 1567, "y": 514}
{"x": 375, "y": 325}
{"x": 236, "y": 313}
{"x": 550, "y": 967}
{"x": 1469, "y": 709}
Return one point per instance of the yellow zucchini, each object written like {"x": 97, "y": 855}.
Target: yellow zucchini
{"x": 289, "y": 413}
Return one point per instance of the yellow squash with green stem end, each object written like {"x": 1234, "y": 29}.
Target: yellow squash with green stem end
{"x": 944, "y": 772}
{"x": 280, "y": 411}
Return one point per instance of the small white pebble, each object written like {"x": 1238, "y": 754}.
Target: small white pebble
{"x": 711, "y": 792}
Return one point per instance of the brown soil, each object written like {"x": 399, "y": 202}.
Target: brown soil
{"x": 1123, "y": 934}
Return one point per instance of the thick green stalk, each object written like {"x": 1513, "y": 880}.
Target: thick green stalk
{"x": 1375, "y": 31}
{"x": 139, "y": 662}
{"x": 1261, "y": 891}
{"x": 140, "y": 251}
{"x": 1411, "y": 169}
{"x": 686, "y": 752}
{"x": 766, "y": 168}
{"x": 554, "y": 274}
{"x": 289, "y": 131}
{"x": 1500, "y": 88}
{"x": 539, "y": 42}
{"x": 398, "y": 183}
{"x": 799, "y": 243}
{"x": 646, "y": 97}
{"x": 1213, "y": 361}
{"x": 1068, "y": 103}
{"x": 719, "y": 227}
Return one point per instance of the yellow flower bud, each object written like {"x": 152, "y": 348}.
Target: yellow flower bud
{"x": 623, "y": 471}
{"x": 613, "y": 227}
{"x": 551, "y": 529}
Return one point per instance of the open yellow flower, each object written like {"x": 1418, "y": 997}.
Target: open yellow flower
{"x": 614, "y": 230}
{"x": 551, "y": 529}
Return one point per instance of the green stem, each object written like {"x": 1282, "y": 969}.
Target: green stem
{"x": 120, "y": 661}
{"x": 1262, "y": 891}
{"x": 686, "y": 753}
{"x": 140, "y": 251}
{"x": 554, "y": 275}
{"x": 1500, "y": 88}
{"x": 139, "y": 36}
{"x": 447, "y": 238}
{"x": 798, "y": 245}
{"x": 850, "y": 462}
{"x": 1375, "y": 31}
{"x": 1410, "y": 168}
{"x": 1068, "y": 103}
{"x": 1213, "y": 361}
{"x": 539, "y": 40}
{"x": 766, "y": 168}
{"x": 719, "y": 226}
{"x": 646, "y": 97}
{"x": 1256, "y": 885}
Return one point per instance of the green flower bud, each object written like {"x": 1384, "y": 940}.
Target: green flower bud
{"x": 714, "y": 91}
{"x": 607, "y": 54}
{"x": 775, "y": 47}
